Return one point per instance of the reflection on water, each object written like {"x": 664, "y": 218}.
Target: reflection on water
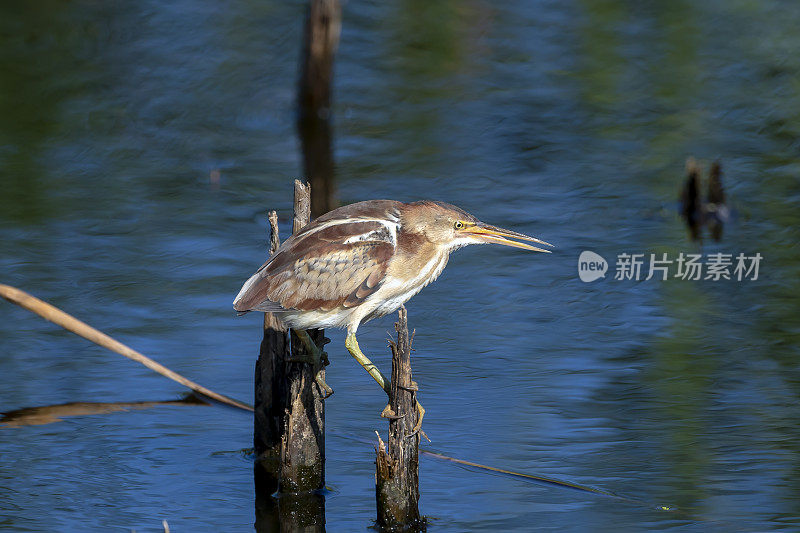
{"x": 567, "y": 120}
{"x": 322, "y": 27}
{"x": 287, "y": 512}
{"x": 704, "y": 208}
{"x": 48, "y": 414}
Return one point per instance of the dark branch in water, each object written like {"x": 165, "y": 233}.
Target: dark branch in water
{"x": 48, "y": 414}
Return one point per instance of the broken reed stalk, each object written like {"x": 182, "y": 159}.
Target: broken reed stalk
{"x": 397, "y": 462}
{"x": 289, "y": 422}
{"x": 70, "y": 323}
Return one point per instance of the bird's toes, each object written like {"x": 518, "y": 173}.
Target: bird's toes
{"x": 388, "y": 413}
{"x": 421, "y": 434}
{"x": 413, "y": 387}
{"x": 327, "y": 391}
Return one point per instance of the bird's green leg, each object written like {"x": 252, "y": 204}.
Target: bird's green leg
{"x": 316, "y": 357}
{"x": 352, "y": 346}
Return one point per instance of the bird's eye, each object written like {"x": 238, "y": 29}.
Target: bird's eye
{"x": 459, "y": 224}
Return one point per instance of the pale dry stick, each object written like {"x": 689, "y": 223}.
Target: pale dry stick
{"x": 70, "y": 323}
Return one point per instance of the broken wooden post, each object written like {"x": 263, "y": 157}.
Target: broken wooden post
{"x": 303, "y": 438}
{"x": 270, "y": 381}
{"x": 397, "y": 462}
{"x": 289, "y": 423}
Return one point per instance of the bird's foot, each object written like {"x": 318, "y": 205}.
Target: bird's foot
{"x": 316, "y": 357}
{"x": 315, "y": 353}
{"x": 316, "y": 363}
{"x": 391, "y": 415}
{"x": 326, "y": 390}
{"x": 418, "y": 426}
{"x": 420, "y": 410}
{"x": 413, "y": 387}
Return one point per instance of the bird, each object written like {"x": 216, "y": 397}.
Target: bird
{"x": 363, "y": 261}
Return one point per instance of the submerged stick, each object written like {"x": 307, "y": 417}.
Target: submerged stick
{"x": 70, "y": 323}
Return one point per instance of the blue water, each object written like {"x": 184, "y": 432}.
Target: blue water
{"x": 570, "y": 121}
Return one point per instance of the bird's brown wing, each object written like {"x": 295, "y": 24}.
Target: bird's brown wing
{"x": 322, "y": 270}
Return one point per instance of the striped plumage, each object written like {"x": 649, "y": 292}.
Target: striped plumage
{"x": 333, "y": 273}
{"x": 358, "y": 262}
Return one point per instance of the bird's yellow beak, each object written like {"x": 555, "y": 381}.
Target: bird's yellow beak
{"x": 495, "y": 235}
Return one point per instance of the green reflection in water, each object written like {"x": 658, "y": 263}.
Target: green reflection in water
{"x": 34, "y": 54}
{"x": 681, "y": 375}
{"x": 601, "y": 63}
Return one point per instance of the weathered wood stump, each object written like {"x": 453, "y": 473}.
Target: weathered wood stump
{"x": 303, "y": 436}
{"x": 397, "y": 462}
{"x": 270, "y": 383}
{"x": 289, "y": 422}
{"x": 289, "y": 427}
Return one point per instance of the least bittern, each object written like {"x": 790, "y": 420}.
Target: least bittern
{"x": 362, "y": 261}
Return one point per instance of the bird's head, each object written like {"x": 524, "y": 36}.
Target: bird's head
{"x": 447, "y": 225}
